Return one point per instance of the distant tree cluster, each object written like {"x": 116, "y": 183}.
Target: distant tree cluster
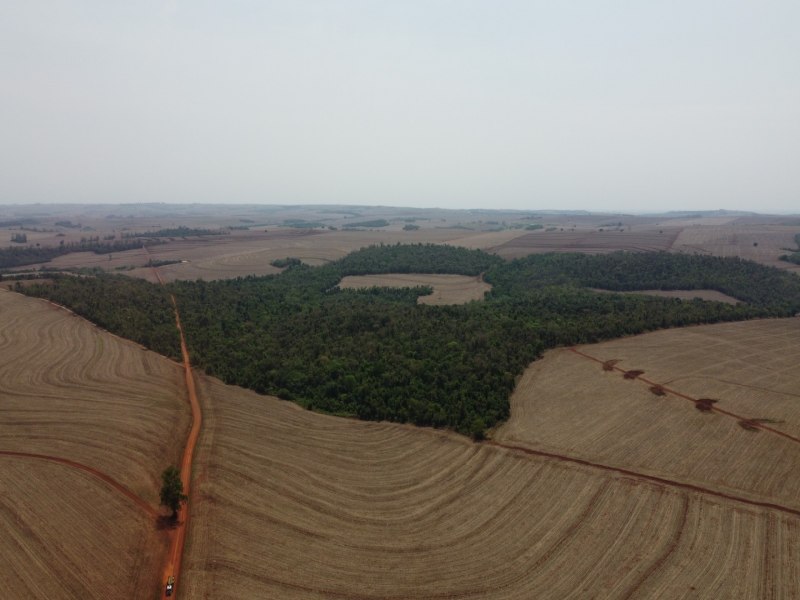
{"x": 377, "y": 354}
{"x": 374, "y": 223}
{"x": 16, "y": 256}
{"x": 172, "y": 232}
{"x": 289, "y": 261}
{"x": 793, "y": 257}
{"x": 302, "y": 224}
{"x": 19, "y": 238}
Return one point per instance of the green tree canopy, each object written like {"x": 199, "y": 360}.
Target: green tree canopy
{"x": 172, "y": 495}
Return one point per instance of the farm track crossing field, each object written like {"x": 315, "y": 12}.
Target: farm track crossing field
{"x": 568, "y": 403}
{"x": 447, "y": 289}
{"x": 72, "y": 391}
{"x": 293, "y": 504}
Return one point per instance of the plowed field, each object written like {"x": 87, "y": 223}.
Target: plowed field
{"x": 71, "y": 391}
{"x": 447, "y": 289}
{"x": 592, "y": 242}
{"x": 568, "y": 403}
{"x": 760, "y": 243}
{"x": 296, "y": 505}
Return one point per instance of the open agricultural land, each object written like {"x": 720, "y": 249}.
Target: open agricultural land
{"x": 220, "y": 242}
{"x": 87, "y": 423}
{"x": 657, "y": 465}
{"x": 292, "y": 504}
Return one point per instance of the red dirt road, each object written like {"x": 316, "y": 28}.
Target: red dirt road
{"x": 99, "y": 474}
{"x": 177, "y": 536}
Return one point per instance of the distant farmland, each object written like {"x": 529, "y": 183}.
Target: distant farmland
{"x": 592, "y": 242}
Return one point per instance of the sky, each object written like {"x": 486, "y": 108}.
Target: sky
{"x": 634, "y": 106}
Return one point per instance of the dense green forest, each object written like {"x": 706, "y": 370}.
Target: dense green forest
{"x": 17, "y": 256}
{"x": 377, "y": 354}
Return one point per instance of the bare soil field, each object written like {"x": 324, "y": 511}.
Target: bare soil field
{"x": 65, "y": 534}
{"x": 713, "y": 295}
{"x": 588, "y": 241}
{"x": 245, "y": 253}
{"x": 74, "y": 392}
{"x": 759, "y": 243}
{"x": 567, "y": 402}
{"x": 447, "y": 289}
{"x": 291, "y": 504}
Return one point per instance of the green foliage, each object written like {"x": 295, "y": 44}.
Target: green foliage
{"x": 289, "y": 261}
{"x": 377, "y": 354}
{"x": 172, "y": 495}
{"x": 181, "y": 231}
{"x": 373, "y": 223}
{"x": 760, "y": 286}
{"x": 131, "y": 308}
{"x": 416, "y": 258}
{"x": 410, "y": 227}
{"x": 154, "y": 262}
{"x": 302, "y": 224}
{"x": 794, "y": 258}
{"x": 19, "y": 256}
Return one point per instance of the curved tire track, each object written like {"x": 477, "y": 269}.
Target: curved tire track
{"x": 646, "y": 477}
{"x": 92, "y": 471}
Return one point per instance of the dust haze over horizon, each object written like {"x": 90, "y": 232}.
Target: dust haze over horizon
{"x": 614, "y": 106}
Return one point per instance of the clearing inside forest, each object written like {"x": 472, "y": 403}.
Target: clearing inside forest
{"x": 447, "y": 289}
{"x": 712, "y": 295}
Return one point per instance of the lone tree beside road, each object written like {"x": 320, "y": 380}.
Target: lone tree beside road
{"x": 172, "y": 495}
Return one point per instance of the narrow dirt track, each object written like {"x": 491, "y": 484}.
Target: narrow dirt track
{"x": 99, "y": 474}
{"x": 712, "y": 408}
{"x": 643, "y": 476}
{"x": 177, "y": 535}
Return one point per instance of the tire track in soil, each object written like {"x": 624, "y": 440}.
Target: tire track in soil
{"x": 177, "y": 535}
{"x": 141, "y": 503}
{"x": 659, "y": 562}
{"x": 674, "y": 392}
{"x": 662, "y": 481}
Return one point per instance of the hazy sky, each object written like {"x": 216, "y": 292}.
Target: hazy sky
{"x": 601, "y": 105}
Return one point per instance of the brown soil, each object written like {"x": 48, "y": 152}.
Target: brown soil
{"x": 88, "y": 421}
{"x": 447, "y": 289}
